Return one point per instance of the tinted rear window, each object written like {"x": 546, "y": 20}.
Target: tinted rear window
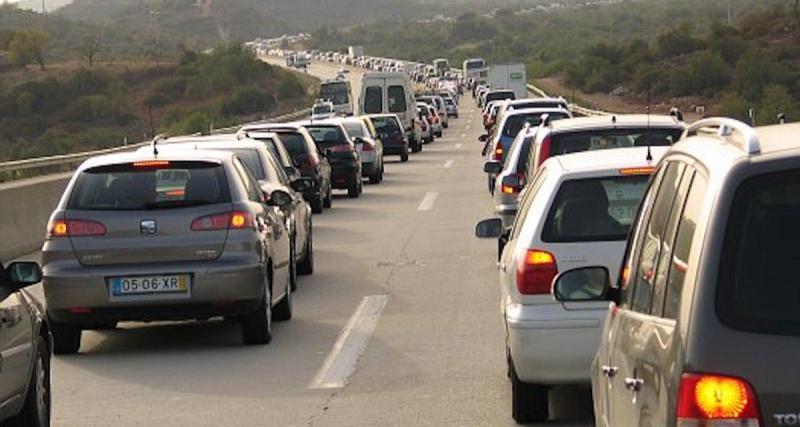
{"x": 323, "y": 109}
{"x": 336, "y": 92}
{"x": 386, "y": 125}
{"x": 756, "y": 289}
{"x": 574, "y": 142}
{"x": 515, "y": 123}
{"x": 326, "y": 136}
{"x": 495, "y": 96}
{"x": 397, "y": 99}
{"x": 373, "y": 100}
{"x": 598, "y": 209}
{"x": 354, "y": 130}
{"x": 294, "y": 143}
{"x": 128, "y": 187}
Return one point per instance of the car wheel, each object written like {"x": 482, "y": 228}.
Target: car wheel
{"x": 257, "y": 326}
{"x": 375, "y": 178}
{"x": 404, "y": 155}
{"x": 36, "y": 409}
{"x": 306, "y": 266}
{"x": 66, "y": 338}
{"x": 293, "y": 266}
{"x": 317, "y": 204}
{"x": 445, "y": 125}
{"x": 529, "y": 402}
{"x": 328, "y": 201}
{"x": 352, "y": 191}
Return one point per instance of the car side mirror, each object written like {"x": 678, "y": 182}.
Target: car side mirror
{"x": 302, "y": 184}
{"x": 493, "y": 167}
{"x": 358, "y": 140}
{"x": 24, "y": 274}
{"x": 290, "y": 170}
{"x": 279, "y": 198}
{"x": 489, "y": 228}
{"x": 483, "y": 138}
{"x": 582, "y": 284}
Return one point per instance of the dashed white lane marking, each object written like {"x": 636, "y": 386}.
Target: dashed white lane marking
{"x": 448, "y": 164}
{"x": 351, "y": 344}
{"x": 458, "y": 145}
{"x": 428, "y": 201}
{"x": 463, "y": 135}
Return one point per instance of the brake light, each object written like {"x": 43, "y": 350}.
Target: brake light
{"x": 544, "y": 153}
{"x": 76, "y": 228}
{"x": 498, "y": 153}
{"x": 151, "y": 164}
{"x": 236, "y": 220}
{"x": 344, "y": 148}
{"x": 644, "y": 170}
{"x": 712, "y": 400}
{"x": 535, "y": 272}
{"x": 368, "y": 146}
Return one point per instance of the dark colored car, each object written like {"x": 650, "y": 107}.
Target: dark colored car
{"x": 306, "y": 156}
{"x": 25, "y": 349}
{"x": 345, "y": 161}
{"x": 391, "y": 134}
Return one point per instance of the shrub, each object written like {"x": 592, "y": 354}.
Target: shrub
{"x": 197, "y": 122}
{"x": 291, "y": 88}
{"x": 247, "y": 100}
{"x": 734, "y": 106}
{"x": 173, "y": 87}
{"x": 775, "y": 100}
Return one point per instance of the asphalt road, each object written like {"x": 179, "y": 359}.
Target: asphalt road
{"x": 435, "y": 357}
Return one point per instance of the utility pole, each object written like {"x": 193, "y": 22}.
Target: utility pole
{"x": 43, "y": 8}
{"x": 730, "y": 13}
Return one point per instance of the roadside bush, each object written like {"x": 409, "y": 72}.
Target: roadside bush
{"x": 247, "y": 100}
{"x": 775, "y": 100}
{"x": 25, "y": 103}
{"x": 704, "y": 73}
{"x": 291, "y": 88}
{"x": 173, "y": 87}
{"x": 197, "y": 122}
{"x": 734, "y": 106}
{"x": 90, "y": 108}
{"x": 754, "y": 70}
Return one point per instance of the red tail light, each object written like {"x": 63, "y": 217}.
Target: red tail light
{"x": 498, "y": 153}
{"x": 535, "y": 272}
{"x": 343, "y": 148}
{"x": 368, "y": 146}
{"x": 235, "y": 220}
{"x": 716, "y": 400}
{"x": 308, "y": 163}
{"x": 76, "y": 228}
{"x": 544, "y": 153}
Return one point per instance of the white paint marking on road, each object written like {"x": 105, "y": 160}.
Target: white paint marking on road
{"x": 458, "y": 145}
{"x": 351, "y": 344}
{"x": 463, "y": 135}
{"x": 448, "y": 164}
{"x": 428, "y": 201}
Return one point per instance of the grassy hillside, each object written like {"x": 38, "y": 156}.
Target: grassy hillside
{"x": 670, "y": 50}
{"x": 69, "y": 107}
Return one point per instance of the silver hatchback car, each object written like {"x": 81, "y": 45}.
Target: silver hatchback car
{"x": 173, "y": 236}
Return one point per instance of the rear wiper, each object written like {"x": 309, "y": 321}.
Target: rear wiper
{"x": 168, "y": 204}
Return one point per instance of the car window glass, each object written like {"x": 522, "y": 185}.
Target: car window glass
{"x": 653, "y": 238}
{"x": 396, "y": 97}
{"x": 355, "y": 130}
{"x": 683, "y": 243}
{"x": 277, "y": 168}
{"x": 373, "y": 100}
{"x": 574, "y": 142}
{"x": 250, "y": 184}
{"x": 514, "y": 123}
{"x": 525, "y": 204}
{"x": 667, "y": 245}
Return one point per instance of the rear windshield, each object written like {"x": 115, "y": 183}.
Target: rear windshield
{"x": 326, "y": 136}
{"x": 495, "y": 96}
{"x": 130, "y": 187}
{"x": 323, "y": 109}
{"x": 294, "y": 142}
{"x": 449, "y": 101}
{"x": 386, "y": 125}
{"x": 597, "y": 209}
{"x": 396, "y": 97}
{"x": 612, "y": 138}
{"x": 541, "y": 104}
{"x": 355, "y": 130}
{"x": 336, "y": 92}
{"x": 515, "y": 123}
{"x": 756, "y": 289}
{"x": 373, "y": 100}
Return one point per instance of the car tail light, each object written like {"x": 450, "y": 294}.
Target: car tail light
{"x": 513, "y": 184}
{"x": 308, "y": 163}
{"x": 544, "y": 153}
{"x": 235, "y": 220}
{"x": 368, "y": 146}
{"x": 498, "y": 153}
{"x": 151, "y": 164}
{"x": 643, "y": 170}
{"x": 535, "y": 272}
{"x": 342, "y": 148}
{"x": 716, "y": 400}
{"x": 399, "y": 139}
{"x": 76, "y": 228}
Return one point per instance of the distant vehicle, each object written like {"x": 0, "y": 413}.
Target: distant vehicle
{"x": 576, "y": 213}
{"x": 475, "y": 69}
{"x": 433, "y": 117}
{"x": 392, "y": 93}
{"x": 355, "y": 51}
{"x": 427, "y": 129}
{"x": 509, "y": 76}
{"x": 341, "y": 152}
{"x": 146, "y": 236}
{"x": 441, "y": 66}
{"x": 369, "y": 146}
{"x": 339, "y": 93}
{"x": 26, "y": 348}
{"x": 708, "y": 272}
{"x": 391, "y": 133}
{"x": 322, "y": 110}
{"x": 437, "y": 102}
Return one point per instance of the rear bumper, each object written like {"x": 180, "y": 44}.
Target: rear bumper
{"x": 550, "y": 345}
{"x": 394, "y": 149}
{"x": 369, "y": 168}
{"x": 344, "y": 177}
{"x": 218, "y": 288}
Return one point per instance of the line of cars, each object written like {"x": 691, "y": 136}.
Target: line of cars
{"x": 650, "y": 259}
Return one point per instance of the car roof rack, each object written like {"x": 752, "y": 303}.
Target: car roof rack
{"x": 748, "y": 143}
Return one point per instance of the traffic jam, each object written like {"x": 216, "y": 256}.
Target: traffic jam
{"x": 638, "y": 255}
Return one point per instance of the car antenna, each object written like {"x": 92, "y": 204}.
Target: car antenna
{"x": 154, "y": 143}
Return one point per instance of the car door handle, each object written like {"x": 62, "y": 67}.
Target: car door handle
{"x": 634, "y": 384}
{"x": 609, "y": 371}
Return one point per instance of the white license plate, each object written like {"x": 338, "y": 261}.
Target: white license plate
{"x": 150, "y": 285}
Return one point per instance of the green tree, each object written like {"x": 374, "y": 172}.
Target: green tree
{"x": 734, "y": 106}
{"x": 28, "y": 46}
{"x": 774, "y": 101}
{"x": 25, "y": 103}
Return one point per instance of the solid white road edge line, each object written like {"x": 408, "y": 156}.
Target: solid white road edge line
{"x": 350, "y": 345}
{"x": 448, "y": 164}
{"x": 427, "y": 201}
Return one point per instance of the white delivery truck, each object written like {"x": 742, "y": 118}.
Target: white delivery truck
{"x": 509, "y": 76}
{"x": 355, "y": 51}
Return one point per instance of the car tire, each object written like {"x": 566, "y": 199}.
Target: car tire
{"x": 416, "y": 148}
{"x": 328, "y": 200}
{"x": 439, "y": 134}
{"x": 529, "y": 402}
{"x": 36, "y": 409}
{"x": 306, "y": 266}
{"x": 317, "y": 204}
{"x": 445, "y": 125}
{"x": 404, "y": 155}
{"x": 66, "y": 338}
{"x": 352, "y": 191}
{"x": 257, "y": 326}
{"x": 375, "y": 178}
{"x": 283, "y": 309}
{"x": 293, "y": 266}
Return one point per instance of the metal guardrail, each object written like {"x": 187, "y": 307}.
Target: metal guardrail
{"x": 295, "y": 115}
{"x": 583, "y": 111}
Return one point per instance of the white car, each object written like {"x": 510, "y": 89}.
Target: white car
{"x": 323, "y": 110}
{"x": 576, "y": 212}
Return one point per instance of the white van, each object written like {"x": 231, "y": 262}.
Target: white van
{"x": 391, "y": 93}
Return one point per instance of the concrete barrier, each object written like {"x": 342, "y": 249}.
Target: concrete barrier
{"x": 25, "y": 208}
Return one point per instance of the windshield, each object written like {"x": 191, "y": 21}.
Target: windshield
{"x": 336, "y": 92}
{"x": 515, "y": 123}
{"x": 594, "y": 209}
{"x": 612, "y": 138}
{"x": 127, "y": 187}
{"x": 355, "y": 130}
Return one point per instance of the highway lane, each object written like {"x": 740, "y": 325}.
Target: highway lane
{"x": 435, "y": 356}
